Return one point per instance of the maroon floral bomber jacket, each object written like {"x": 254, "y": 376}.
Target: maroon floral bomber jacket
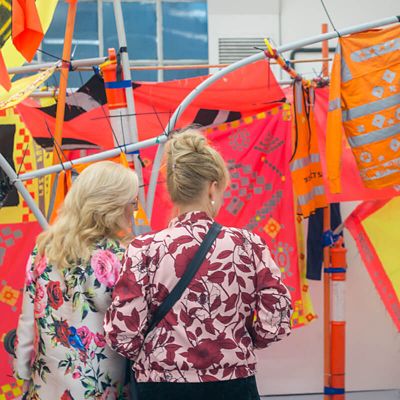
{"x": 235, "y": 304}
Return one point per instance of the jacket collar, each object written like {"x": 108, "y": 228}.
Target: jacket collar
{"x": 191, "y": 218}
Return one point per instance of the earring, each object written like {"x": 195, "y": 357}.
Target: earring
{"x": 212, "y": 202}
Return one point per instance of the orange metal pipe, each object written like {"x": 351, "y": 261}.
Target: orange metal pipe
{"x": 69, "y": 33}
{"x": 338, "y": 324}
{"x": 327, "y": 280}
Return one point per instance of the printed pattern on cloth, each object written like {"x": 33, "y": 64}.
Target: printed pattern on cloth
{"x": 364, "y": 100}
{"x": 235, "y": 303}
{"x": 61, "y": 348}
{"x": 257, "y": 151}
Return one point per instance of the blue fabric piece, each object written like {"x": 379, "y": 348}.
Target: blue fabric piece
{"x": 315, "y": 240}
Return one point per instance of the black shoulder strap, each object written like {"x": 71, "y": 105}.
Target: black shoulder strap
{"x": 187, "y": 277}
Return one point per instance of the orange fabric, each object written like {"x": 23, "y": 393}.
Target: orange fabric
{"x": 364, "y": 100}
{"x": 64, "y": 182}
{"x": 4, "y": 77}
{"x": 305, "y": 165}
{"x": 27, "y": 32}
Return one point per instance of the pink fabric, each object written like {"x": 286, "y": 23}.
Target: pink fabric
{"x": 210, "y": 333}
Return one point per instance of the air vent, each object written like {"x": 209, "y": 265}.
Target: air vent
{"x": 231, "y": 50}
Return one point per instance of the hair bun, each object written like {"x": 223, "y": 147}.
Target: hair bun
{"x": 190, "y": 141}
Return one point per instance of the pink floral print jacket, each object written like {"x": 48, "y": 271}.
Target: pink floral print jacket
{"x": 235, "y": 303}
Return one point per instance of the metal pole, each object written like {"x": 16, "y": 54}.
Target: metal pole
{"x": 256, "y": 57}
{"x": 132, "y": 134}
{"x": 130, "y": 148}
{"x": 160, "y": 42}
{"x": 69, "y": 32}
{"x": 326, "y": 257}
{"x": 87, "y": 62}
{"x": 16, "y": 181}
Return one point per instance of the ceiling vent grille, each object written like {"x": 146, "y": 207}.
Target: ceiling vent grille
{"x": 231, "y": 50}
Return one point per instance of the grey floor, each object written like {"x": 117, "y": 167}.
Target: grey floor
{"x": 374, "y": 395}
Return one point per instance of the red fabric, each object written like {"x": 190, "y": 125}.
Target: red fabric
{"x": 17, "y": 243}
{"x": 248, "y": 90}
{"x": 90, "y": 126}
{"x": 27, "y": 32}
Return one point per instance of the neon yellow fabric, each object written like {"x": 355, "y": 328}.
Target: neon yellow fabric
{"x": 382, "y": 228}
{"x": 35, "y": 158}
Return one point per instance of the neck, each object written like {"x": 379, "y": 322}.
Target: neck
{"x": 183, "y": 209}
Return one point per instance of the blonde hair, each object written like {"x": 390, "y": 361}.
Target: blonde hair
{"x": 191, "y": 163}
{"x": 93, "y": 210}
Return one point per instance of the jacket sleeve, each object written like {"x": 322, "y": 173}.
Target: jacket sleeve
{"x": 126, "y": 319}
{"x": 24, "y": 349}
{"x": 273, "y": 303}
{"x": 334, "y": 127}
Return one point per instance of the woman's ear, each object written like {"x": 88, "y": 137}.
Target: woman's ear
{"x": 212, "y": 190}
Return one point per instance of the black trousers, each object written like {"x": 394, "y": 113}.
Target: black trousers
{"x": 236, "y": 389}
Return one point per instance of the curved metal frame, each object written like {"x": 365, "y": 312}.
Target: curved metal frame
{"x": 160, "y": 140}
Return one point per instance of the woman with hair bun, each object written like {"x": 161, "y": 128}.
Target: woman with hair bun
{"x": 61, "y": 352}
{"x": 203, "y": 348}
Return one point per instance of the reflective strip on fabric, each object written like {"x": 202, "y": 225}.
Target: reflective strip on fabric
{"x": 306, "y": 198}
{"x": 376, "y": 50}
{"x": 374, "y": 136}
{"x": 375, "y": 106}
{"x": 303, "y": 162}
{"x": 334, "y": 104}
{"x": 345, "y": 71}
{"x": 298, "y": 87}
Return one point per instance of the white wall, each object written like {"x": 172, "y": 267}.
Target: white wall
{"x": 373, "y": 344}
{"x": 372, "y": 349}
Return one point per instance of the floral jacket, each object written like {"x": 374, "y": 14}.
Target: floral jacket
{"x": 235, "y": 303}
{"x": 60, "y": 347}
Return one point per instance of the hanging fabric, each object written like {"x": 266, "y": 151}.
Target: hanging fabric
{"x": 305, "y": 165}
{"x": 27, "y": 32}
{"x": 364, "y": 100}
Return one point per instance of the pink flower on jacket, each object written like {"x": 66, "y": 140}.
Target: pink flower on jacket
{"x": 205, "y": 354}
{"x": 85, "y": 335}
{"x": 40, "y": 301}
{"x": 28, "y": 272}
{"x": 99, "y": 340}
{"x": 40, "y": 265}
{"x": 106, "y": 267}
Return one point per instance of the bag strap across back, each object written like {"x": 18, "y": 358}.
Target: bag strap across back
{"x": 187, "y": 277}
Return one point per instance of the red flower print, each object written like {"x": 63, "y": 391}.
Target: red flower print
{"x": 205, "y": 354}
{"x": 66, "y": 396}
{"x": 54, "y": 294}
{"x": 99, "y": 340}
{"x": 62, "y": 332}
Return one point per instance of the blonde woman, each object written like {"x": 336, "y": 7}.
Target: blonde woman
{"x": 204, "y": 347}
{"x": 61, "y": 352}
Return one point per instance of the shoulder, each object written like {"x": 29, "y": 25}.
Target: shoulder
{"x": 250, "y": 241}
{"x": 109, "y": 245}
{"x": 245, "y": 235}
